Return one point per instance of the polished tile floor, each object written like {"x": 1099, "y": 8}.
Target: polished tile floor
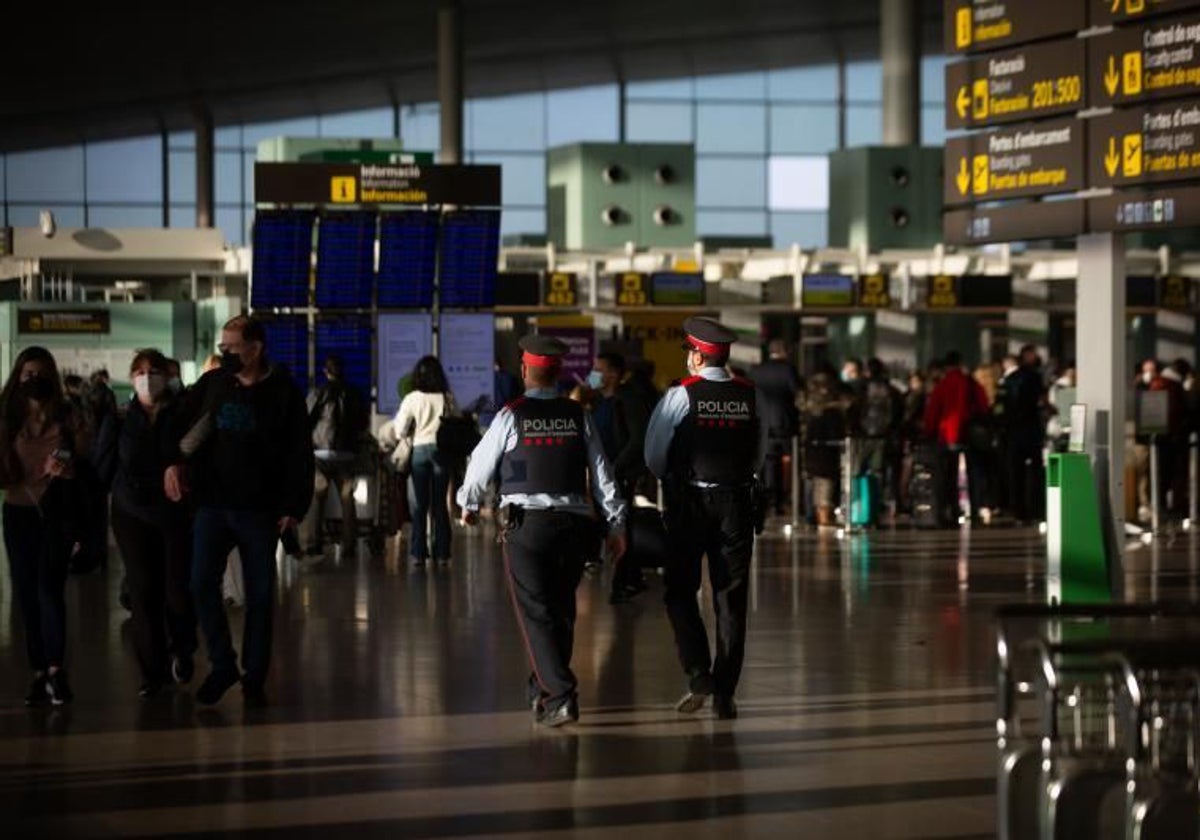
{"x": 398, "y": 705}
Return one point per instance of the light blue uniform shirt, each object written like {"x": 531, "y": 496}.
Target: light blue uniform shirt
{"x": 669, "y": 413}
{"x": 501, "y": 437}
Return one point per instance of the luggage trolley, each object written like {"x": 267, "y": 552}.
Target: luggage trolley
{"x": 1112, "y": 749}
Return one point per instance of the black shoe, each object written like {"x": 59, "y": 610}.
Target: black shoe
{"x": 182, "y": 669}
{"x": 150, "y": 688}
{"x": 725, "y": 708}
{"x": 254, "y": 696}
{"x": 214, "y": 687}
{"x": 38, "y": 694}
{"x": 58, "y": 689}
{"x": 564, "y": 713}
{"x": 699, "y": 688}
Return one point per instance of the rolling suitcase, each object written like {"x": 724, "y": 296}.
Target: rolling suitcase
{"x": 864, "y": 500}
{"x": 924, "y": 487}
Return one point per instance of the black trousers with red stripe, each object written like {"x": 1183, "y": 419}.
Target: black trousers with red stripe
{"x": 544, "y": 553}
{"x": 717, "y": 523}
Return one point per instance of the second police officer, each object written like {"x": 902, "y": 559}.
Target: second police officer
{"x": 542, "y": 447}
{"x": 705, "y": 441}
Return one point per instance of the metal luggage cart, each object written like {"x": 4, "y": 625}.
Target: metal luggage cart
{"x": 370, "y": 505}
{"x": 1111, "y": 747}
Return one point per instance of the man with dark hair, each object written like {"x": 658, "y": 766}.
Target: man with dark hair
{"x": 705, "y": 440}
{"x": 543, "y": 447}
{"x": 338, "y": 416}
{"x": 248, "y": 462}
{"x": 779, "y": 386}
{"x": 620, "y": 415}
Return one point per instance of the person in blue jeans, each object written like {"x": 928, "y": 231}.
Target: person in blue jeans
{"x": 245, "y": 455}
{"x": 420, "y": 417}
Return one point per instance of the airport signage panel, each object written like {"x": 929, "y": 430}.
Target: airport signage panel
{"x": 827, "y": 290}
{"x": 1027, "y": 160}
{"x": 1144, "y": 145}
{"x": 1157, "y": 60}
{"x": 1145, "y": 209}
{"x": 1108, "y": 12}
{"x": 1175, "y": 292}
{"x": 974, "y": 25}
{"x": 873, "y": 292}
{"x": 1014, "y": 222}
{"x": 371, "y": 184}
{"x": 1029, "y": 82}
{"x": 632, "y": 288}
{"x": 562, "y": 289}
{"x": 63, "y": 321}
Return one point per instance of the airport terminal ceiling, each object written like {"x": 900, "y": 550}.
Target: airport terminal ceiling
{"x": 97, "y": 71}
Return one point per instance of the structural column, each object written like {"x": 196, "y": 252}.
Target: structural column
{"x": 900, "y": 54}
{"x": 205, "y": 167}
{"x": 1100, "y": 339}
{"x": 450, "y": 80}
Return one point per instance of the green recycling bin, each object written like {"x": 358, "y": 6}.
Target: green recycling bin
{"x": 1077, "y": 568}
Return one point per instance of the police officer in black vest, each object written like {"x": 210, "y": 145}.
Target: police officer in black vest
{"x": 542, "y": 446}
{"x": 705, "y": 441}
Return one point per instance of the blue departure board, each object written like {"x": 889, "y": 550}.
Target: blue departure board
{"x": 345, "y": 260}
{"x": 282, "y": 258}
{"x": 348, "y": 336}
{"x": 407, "y": 259}
{"x": 287, "y": 344}
{"x": 469, "y": 250}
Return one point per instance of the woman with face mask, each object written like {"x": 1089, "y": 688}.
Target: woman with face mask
{"x": 39, "y": 436}
{"x": 153, "y": 533}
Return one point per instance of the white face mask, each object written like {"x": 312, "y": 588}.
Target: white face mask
{"x": 1147, "y": 377}
{"x": 149, "y": 386}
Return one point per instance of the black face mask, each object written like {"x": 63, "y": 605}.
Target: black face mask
{"x": 231, "y": 363}
{"x": 38, "y": 388}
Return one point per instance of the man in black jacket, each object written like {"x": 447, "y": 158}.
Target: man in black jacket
{"x": 249, "y": 466}
{"x": 779, "y": 384}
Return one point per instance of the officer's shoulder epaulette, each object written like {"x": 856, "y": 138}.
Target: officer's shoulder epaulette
{"x": 743, "y": 381}
{"x": 690, "y": 380}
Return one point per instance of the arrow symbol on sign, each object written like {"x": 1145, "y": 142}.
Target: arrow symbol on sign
{"x": 1112, "y": 159}
{"x": 963, "y": 102}
{"x": 963, "y": 179}
{"x": 1112, "y": 78}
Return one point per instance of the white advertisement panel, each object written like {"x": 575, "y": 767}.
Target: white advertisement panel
{"x": 467, "y": 344}
{"x": 402, "y": 339}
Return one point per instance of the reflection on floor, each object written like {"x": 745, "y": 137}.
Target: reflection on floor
{"x": 398, "y": 705}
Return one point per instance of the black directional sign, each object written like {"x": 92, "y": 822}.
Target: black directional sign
{"x": 1021, "y": 84}
{"x": 1106, "y": 12}
{"x": 1014, "y": 222}
{"x": 973, "y": 26}
{"x": 1144, "y": 145}
{"x": 1145, "y": 209}
{"x": 1027, "y": 160}
{"x": 1157, "y": 60}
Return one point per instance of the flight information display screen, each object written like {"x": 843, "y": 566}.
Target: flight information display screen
{"x": 407, "y": 259}
{"x": 282, "y": 258}
{"x": 469, "y": 250}
{"x": 287, "y": 344}
{"x": 348, "y": 336}
{"x": 677, "y": 288}
{"x": 345, "y": 260}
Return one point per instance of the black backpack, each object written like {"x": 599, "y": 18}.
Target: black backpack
{"x": 877, "y": 409}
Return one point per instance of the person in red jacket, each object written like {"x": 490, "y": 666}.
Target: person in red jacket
{"x": 954, "y": 402}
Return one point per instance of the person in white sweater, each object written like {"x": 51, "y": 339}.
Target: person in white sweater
{"x": 420, "y": 417}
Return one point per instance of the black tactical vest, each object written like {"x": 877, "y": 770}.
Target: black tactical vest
{"x": 718, "y": 439}
{"x": 551, "y": 454}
